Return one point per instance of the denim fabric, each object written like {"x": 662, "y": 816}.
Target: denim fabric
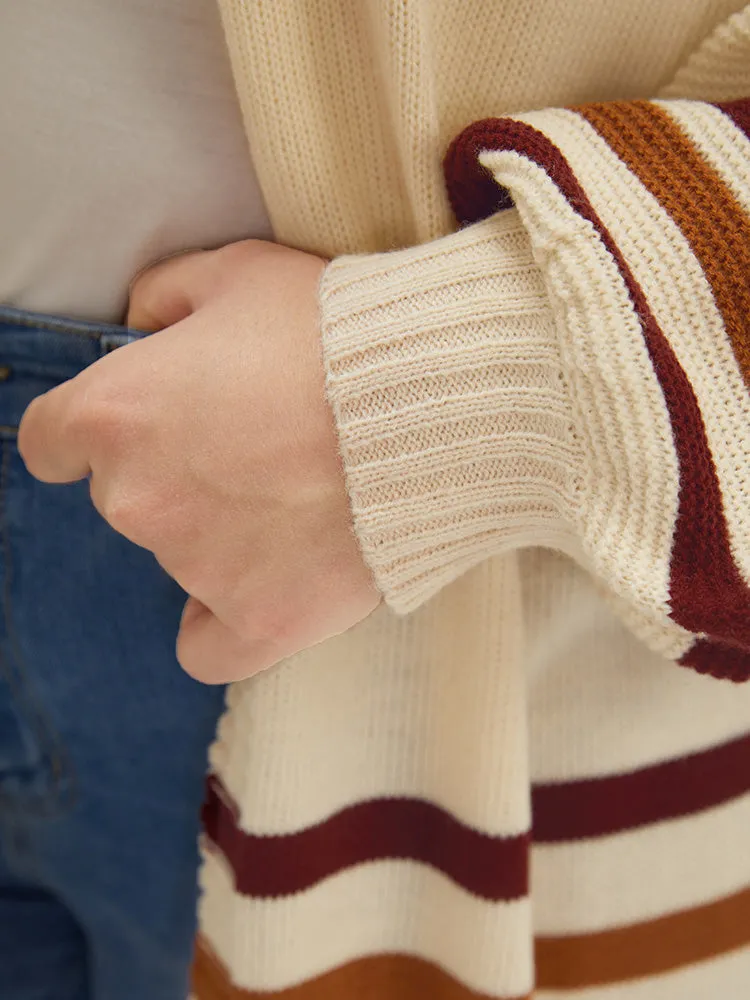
{"x": 103, "y": 738}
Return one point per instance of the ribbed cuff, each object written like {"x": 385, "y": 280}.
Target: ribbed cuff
{"x": 454, "y": 418}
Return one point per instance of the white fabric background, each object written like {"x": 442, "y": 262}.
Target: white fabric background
{"x": 121, "y": 143}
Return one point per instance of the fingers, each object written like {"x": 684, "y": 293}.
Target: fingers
{"x": 171, "y": 290}
{"x": 52, "y": 444}
{"x": 213, "y": 654}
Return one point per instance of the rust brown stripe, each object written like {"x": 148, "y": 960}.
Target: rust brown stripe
{"x": 570, "y": 962}
{"x": 708, "y": 594}
{"x": 664, "y": 160}
{"x": 648, "y": 949}
{"x": 380, "y": 977}
{"x": 495, "y": 868}
{"x": 706, "y": 211}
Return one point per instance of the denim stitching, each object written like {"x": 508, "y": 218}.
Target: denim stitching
{"x": 36, "y": 324}
{"x": 32, "y": 323}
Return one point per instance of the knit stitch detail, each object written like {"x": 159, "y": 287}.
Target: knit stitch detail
{"x": 454, "y": 418}
{"x": 493, "y": 868}
{"x": 708, "y": 593}
{"x": 635, "y": 772}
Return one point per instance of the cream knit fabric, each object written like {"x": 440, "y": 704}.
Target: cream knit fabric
{"x": 503, "y": 391}
{"x": 425, "y": 385}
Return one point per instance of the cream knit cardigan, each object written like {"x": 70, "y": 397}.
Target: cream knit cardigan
{"x": 513, "y": 445}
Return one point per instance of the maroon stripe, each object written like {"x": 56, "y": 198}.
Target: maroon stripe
{"x": 473, "y": 192}
{"x": 704, "y": 653}
{"x": 739, "y": 113}
{"x": 597, "y": 807}
{"x": 494, "y": 868}
{"x": 708, "y": 594}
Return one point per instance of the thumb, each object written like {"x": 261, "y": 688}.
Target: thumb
{"x": 170, "y": 290}
{"x": 213, "y": 654}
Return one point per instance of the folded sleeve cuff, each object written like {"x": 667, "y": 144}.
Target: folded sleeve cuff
{"x": 454, "y": 418}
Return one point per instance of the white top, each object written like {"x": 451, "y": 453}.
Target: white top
{"x": 122, "y": 142}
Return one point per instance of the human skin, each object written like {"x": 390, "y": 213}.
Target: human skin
{"x": 212, "y": 444}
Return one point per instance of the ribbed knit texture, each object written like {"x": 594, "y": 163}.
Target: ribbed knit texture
{"x": 455, "y": 418}
{"x": 526, "y": 784}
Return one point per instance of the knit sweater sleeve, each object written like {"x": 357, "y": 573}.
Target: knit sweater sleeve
{"x": 570, "y": 369}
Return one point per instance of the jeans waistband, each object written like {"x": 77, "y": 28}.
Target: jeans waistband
{"x": 56, "y": 346}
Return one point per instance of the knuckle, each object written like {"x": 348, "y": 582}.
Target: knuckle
{"x": 177, "y": 559}
{"x": 113, "y": 419}
{"x": 149, "y": 277}
{"x": 103, "y": 412}
{"x": 80, "y": 415}
{"x": 238, "y": 252}
{"x": 84, "y": 410}
{"x": 236, "y": 258}
{"x": 129, "y": 513}
{"x": 147, "y": 293}
{"x": 185, "y": 572}
{"x": 142, "y": 280}
{"x": 125, "y": 515}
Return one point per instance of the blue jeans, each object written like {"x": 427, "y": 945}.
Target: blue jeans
{"x": 103, "y": 739}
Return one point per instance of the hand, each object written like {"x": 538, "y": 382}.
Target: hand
{"x": 212, "y": 444}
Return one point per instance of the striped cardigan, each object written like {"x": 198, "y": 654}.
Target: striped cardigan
{"x": 528, "y": 773}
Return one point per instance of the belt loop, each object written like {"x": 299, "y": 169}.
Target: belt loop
{"x": 111, "y": 341}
